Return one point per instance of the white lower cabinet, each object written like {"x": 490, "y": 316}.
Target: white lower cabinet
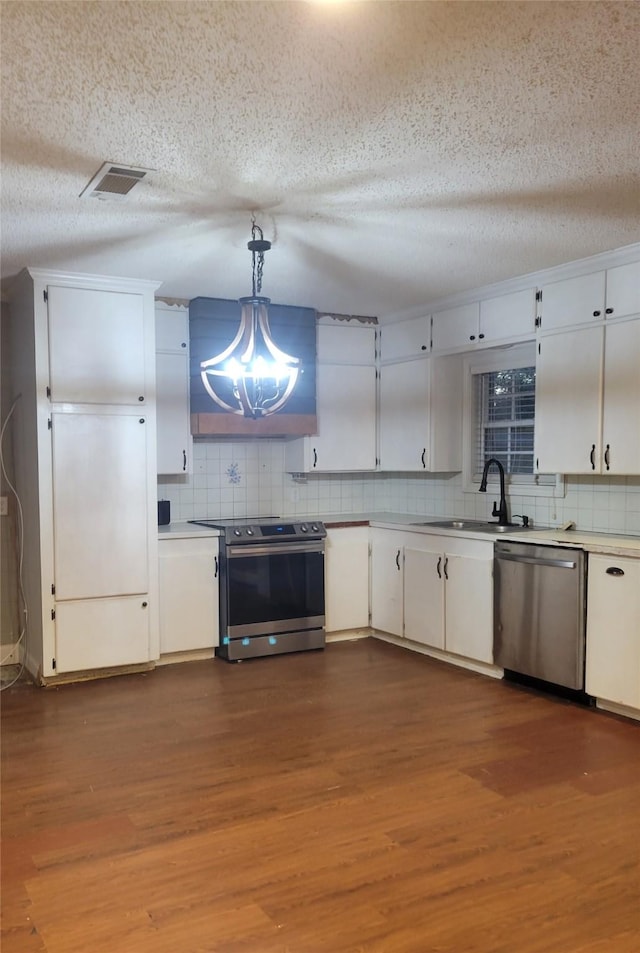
{"x": 347, "y": 578}
{"x": 613, "y": 629}
{"x": 188, "y": 593}
{"x": 101, "y": 633}
{"x": 387, "y": 580}
{"x": 435, "y": 590}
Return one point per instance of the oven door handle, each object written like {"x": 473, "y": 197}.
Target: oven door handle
{"x": 274, "y": 549}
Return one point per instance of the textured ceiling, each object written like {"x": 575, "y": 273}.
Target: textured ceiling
{"x": 395, "y": 152}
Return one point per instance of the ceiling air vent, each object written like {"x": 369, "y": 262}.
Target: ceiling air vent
{"x": 113, "y": 182}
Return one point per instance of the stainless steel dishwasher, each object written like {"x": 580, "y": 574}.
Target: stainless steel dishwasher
{"x": 540, "y": 612}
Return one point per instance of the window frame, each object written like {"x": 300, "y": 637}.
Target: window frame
{"x": 482, "y": 362}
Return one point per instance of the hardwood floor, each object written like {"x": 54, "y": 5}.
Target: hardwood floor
{"x": 363, "y": 799}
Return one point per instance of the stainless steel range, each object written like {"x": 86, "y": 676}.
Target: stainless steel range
{"x": 271, "y": 586}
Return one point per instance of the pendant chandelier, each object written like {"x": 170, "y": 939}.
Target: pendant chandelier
{"x": 253, "y": 376}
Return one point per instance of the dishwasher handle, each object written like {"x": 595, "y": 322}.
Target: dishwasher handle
{"x": 537, "y": 561}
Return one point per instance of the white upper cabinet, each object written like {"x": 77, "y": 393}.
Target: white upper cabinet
{"x": 420, "y": 415}
{"x": 622, "y": 291}
{"x": 588, "y": 400}
{"x": 591, "y": 298}
{"x": 508, "y": 317}
{"x": 404, "y": 416}
{"x": 174, "y": 441}
{"x": 97, "y": 346}
{"x": 568, "y": 401}
{"x": 405, "y": 339}
{"x": 502, "y": 319}
{"x": 346, "y": 344}
{"x": 345, "y": 405}
{"x": 456, "y": 328}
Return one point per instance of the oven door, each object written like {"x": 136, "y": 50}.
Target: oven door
{"x": 274, "y": 588}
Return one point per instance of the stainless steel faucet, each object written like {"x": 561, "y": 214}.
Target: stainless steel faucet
{"x": 501, "y": 511}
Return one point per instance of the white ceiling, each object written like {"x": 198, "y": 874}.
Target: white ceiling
{"x": 395, "y": 152}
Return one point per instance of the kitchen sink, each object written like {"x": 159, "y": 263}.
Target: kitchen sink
{"x": 475, "y": 526}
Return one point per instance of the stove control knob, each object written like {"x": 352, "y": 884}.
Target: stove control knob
{"x": 314, "y": 528}
{"x": 237, "y": 532}
{"x": 249, "y": 531}
{"x": 303, "y": 528}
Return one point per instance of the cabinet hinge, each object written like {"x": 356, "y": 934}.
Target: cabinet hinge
{"x": 53, "y": 663}
{"x": 53, "y": 588}
{"x": 53, "y": 613}
{"x": 49, "y": 423}
{"x": 48, "y": 391}
{"x": 45, "y": 294}
{"x": 538, "y": 321}
{"x": 538, "y": 295}
{"x": 539, "y": 348}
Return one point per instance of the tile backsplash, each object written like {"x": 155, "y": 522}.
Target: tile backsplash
{"x": 247, "y": 478}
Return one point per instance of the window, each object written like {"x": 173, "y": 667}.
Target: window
{"x": 504, "y": 402}
{"x": 499, "y": 420}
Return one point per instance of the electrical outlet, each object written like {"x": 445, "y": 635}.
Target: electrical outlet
{"x": 4, "y": 506}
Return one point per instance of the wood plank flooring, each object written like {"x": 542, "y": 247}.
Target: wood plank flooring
{"x": 363, "y": 799}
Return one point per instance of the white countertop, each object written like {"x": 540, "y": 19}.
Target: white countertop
{"x": 184, "y": 530}
{"x": 605, "y": 543}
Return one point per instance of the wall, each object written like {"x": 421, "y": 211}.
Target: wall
{"x": 247, "y": 478}
{"x": 9, "y": 611}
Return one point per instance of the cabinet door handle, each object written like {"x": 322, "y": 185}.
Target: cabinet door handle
{"x": 438, "y": 567}
{"x": 184, "y": 460}
{"x": 592, "y": 456}
{"x": 446, "y": 566}
{"x": 144, "y": 605}
{"x": 315, "y": 457}
{"x": 422, "y": 456}
{"x": 398, "y": 560}
{"x": 614, "y": 571}
{"x": 215, "y": 567}
{"x": 608, "y": 310}
{"x": 606, "y": 457}
{"x": 481, "y": 337}
{"x": 472, "y": 337}
{"x": 141, "y": 421}
{"x": 596, "y": 314}
{"x": 141, "y": 398}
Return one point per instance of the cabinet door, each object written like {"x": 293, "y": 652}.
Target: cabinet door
{"x": 621, "y": 408}
{"x": 405, "y": 339}
{"x": 96, "y": 346}
{"x": 404, "y": 416}
{"x": 346, "y": 438}
{"x": 101, "y": 633}
{"x": 347, "y": 578}
{"x": 508, "y": 316}
{"x": 623, "y": 290}
{"x": 188, "y": 593}
{"x": 568, "y": 401}
{"x": 572, "y": 301}
{"x": 469, "y": 607}
{"x": 172, "y": 413}
{"x": 424, "y": 597}
{"x": 351, "y": 344}
{"x": 456, "y": 327}
{"x": 100, "y": 504}
{"x": 172, "y": 329}
{"x": 613, "y": 630}
{"x": 387, "y": 584}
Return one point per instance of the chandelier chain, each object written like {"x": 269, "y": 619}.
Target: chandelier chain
{"x": 257, "y": 259}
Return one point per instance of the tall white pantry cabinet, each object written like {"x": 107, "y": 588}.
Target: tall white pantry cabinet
{"x": 83, "y": 366}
